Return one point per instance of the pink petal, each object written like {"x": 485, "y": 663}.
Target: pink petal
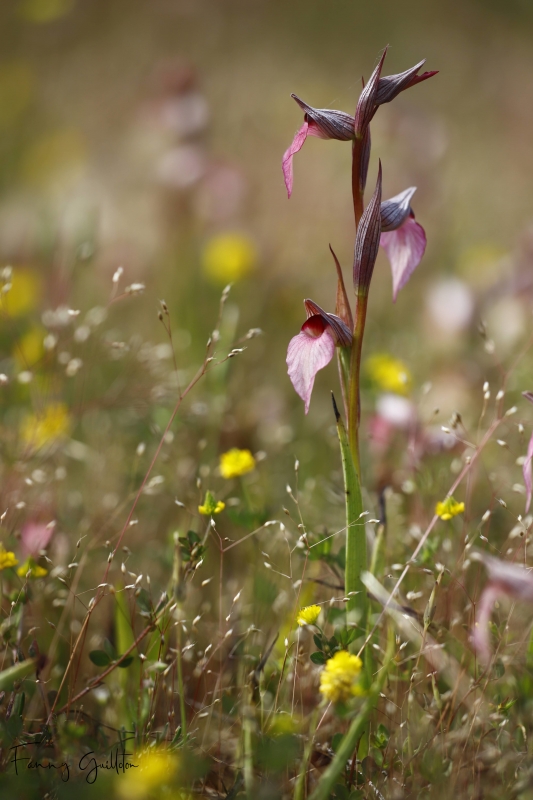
{"x": 480, "y": 634}
{"x": 35, "y": 537}
{"x": 286, "y": 165}
{"x": 527, "y": 471}
{"x": 307, "y": 129}
{"x": 308, "y": 352}
{"x": 405, "y": 248}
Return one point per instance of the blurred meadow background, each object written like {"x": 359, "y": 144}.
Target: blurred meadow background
{"x": 140, "y": 162}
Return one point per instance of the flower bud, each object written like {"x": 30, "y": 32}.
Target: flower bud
{"x": 390, "y": 86}
{"x": 367, "y": 241}
{"x": 366, "y": 105}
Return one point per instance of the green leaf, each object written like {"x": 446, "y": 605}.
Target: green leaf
{"x": 143, "y": 601}
{"x": 100, "y": 658}
{"x": 318, "y": 641}
{"x": 18, "y": 705}
{"x": 318, "y": 658}
{"x": 341, "y": 792}
{"x": 110, "y": 650}
{"x": 16, "y": 673}
{"x": 125, "y": 662}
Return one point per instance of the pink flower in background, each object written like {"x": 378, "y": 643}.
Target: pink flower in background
{"x": 527, "y": 468}
{"x": 527, "y": 472}
{"x": 402, "y": 238}
{"x": 35, "y": 537}
{"x": 511, "y": 580}
{"x": 313, "y": 348}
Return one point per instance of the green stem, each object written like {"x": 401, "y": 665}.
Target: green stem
{"x": 355, "y": 731}
{"x": 299, "y": 789}
{"x": 355, "y": 528}
{"x": 181, "y": 689}
{"x": 248, "y": 758}
{"x": 355, "y": 373}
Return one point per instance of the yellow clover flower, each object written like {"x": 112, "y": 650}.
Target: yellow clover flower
{"x": 211, "y": 506}
{"x": 388, "y": 374}
{"x": 228, "y": 257}
{"x": 46, "y": 428}
{"x": 156, "y": 771}
{"x": 7, "y": 558}
{"x": 35, "y": 570}
{"x": 339, "y": 680}
{"x": 308, "y": 615}
{"x": 449, "y": 508}
{"x": 236, "y": 462}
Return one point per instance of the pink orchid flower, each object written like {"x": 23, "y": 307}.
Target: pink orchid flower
{"x": 35, "y": 536}
{"x": 511, "y": 580}
{"x": 313, "y": 348}
{"x": 323, "y": 123}
{"x": 402, "y": 238}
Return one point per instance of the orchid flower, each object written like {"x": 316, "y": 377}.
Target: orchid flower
{"x": 402, "y": 238}
{"x": 326, "y": 123}
{"x": 323, "y": 123}
{"x": 511, "y": 580}
{"x": 313, "y": 348}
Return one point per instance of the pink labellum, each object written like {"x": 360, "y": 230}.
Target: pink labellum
{"x": 35, "y": 537}
{"x": 528, "y": 473}
{"x": 507, "y": 579}
{"x": 309, "y": 351}
{"x": 404, "y": 247}
{"x": 307, "y": 129}
{"x": 480, "y": 634}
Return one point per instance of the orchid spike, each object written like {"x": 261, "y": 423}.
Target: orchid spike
{"x": 402, "y": 238}
{"x": 313, "y": 348}
{"x": 324, "y": 123}
{"x": 390, "y": 86}
{"x": 505, "y": 578}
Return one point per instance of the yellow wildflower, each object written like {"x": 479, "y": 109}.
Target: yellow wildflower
{"x": 388, "y": 374}
{"x": 339, "y": 679}
{"x": 308, "y": 615}
{"x": 155, "y": 770}
{"x": 228, "y": 257}
{"x": 46, "y": 428}
{"x": 449, "y": 508}
{"x": 7, "y": 558}
{"x": 30, "y": 348}
{"x": 43, "y": 11}
{"x": 211, "y": 506}
{"x": 24, "y": 292}
{"x": 57, "y": 157}
{"x": 16, "y": 89}
{"x": 35, "y": 570}
{"x": 236, "y": 462}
